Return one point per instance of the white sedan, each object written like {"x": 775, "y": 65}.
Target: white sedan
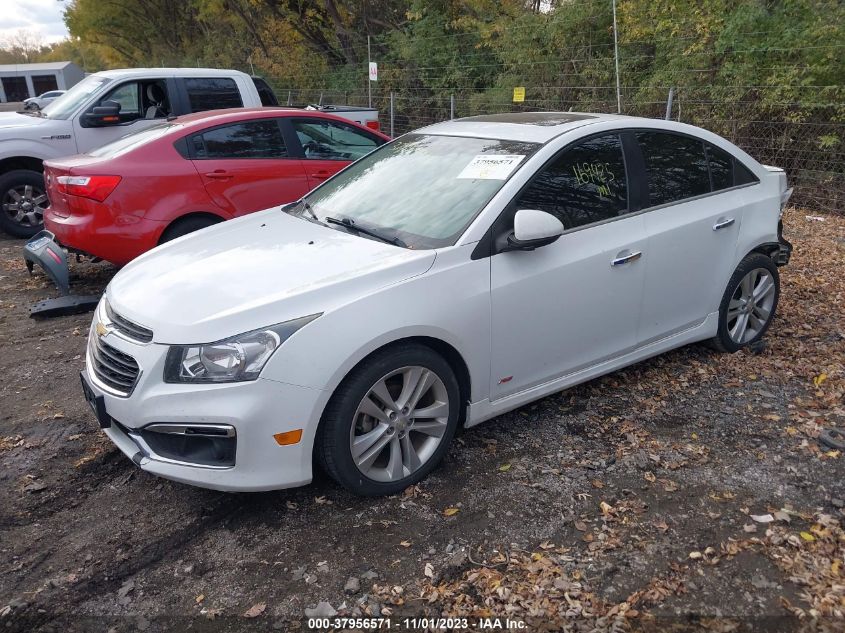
{"x": 452, "y": 275}
{"x": 38, "y": 103}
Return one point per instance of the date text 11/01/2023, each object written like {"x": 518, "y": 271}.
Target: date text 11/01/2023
{"x": 417, "y": 624}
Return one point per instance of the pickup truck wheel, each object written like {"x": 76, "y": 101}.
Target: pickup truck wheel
{"x": 23, "y": 199}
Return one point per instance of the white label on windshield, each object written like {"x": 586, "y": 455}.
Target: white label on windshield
{"x": 491, "y": 166}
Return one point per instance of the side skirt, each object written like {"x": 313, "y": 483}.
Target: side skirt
{"x": 484, "y": 410}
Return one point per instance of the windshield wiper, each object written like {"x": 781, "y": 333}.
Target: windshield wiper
{"x": 350, "y": 224}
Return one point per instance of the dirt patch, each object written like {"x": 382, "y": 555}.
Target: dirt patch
{"x": 626, "y": 502}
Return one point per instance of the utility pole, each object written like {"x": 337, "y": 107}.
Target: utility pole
{"x": 616, "y": 59}
{"x": 370, "y": 83}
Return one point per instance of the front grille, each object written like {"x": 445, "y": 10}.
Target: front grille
{"x": 128, "y": 328}
{"x": 112, "y": 367}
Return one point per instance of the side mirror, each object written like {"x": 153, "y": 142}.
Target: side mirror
{"x": 532, "y": 229}
{"x": 107, "y": 113}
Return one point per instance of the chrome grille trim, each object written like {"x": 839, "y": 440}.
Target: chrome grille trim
{"x": 127, "y": 328}
{"x": 113, "y": 368}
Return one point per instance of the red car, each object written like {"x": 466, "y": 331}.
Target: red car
{"x": 122, "y": 199}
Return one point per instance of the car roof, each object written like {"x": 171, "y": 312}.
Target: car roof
{"x": 536, "y": 127}
{"x": 208, "y": 118}
{"x": 171, "y": 72}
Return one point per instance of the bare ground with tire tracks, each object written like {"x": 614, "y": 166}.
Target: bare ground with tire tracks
{"x": 626, "y": 502}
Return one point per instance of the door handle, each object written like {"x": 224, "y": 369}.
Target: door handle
{"x": 723, "y": 223}
{"x": 321, "y": 175}
{"x": 219, "y": 174}
{"x": 626, "y": 257}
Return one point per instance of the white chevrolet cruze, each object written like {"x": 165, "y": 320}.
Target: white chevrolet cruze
{"x": 448, "y": 277}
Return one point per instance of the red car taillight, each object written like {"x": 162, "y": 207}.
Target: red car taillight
{"x": 373, "y": 125}
{"x": 94, "y": 187}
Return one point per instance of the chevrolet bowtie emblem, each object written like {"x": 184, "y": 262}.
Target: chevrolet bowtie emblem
{"x": 102, "y": 330}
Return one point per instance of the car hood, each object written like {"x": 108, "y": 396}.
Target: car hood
{"x": 16, "y": 120}
{"x": 259, "y": 270}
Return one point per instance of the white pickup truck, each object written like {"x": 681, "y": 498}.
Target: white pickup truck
{"x": 97, "y": 110}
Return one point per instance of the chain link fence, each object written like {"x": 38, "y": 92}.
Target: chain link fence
{"x": 811, "y": 152}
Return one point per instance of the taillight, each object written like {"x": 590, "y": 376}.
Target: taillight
{"x": 94, "y": 187}
{"x": 373, "y": 125}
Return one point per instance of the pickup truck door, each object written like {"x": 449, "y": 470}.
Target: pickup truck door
{"x": 143, "y": 103}
{"x": 246, "y": 166}
{"x": 327, "y": 146}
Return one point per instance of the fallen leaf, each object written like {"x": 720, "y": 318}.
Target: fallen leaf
{"x": 597, "y": 483}
{"x": 808, "y": 537}
{"x": 763, "y": 518}
{"x": 255, "y": 610}
{"x": 818, "y": 380}
{"x": 695, "y": 555}
{"x": 750, "y": 528}
{"x": 606, "y": 508}
{"x": 580, "y": 526}
{"x": 200, "y": 598}
{"x": 451, "y": 511}
{"x": 405, "y": 543}
{"x": 504, "y": 468}
{"x": 649, "y": 476}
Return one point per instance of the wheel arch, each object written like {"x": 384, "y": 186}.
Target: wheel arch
{"x": 189, "y": 216}
{"x": 449, "y": 353}
{"x": 21, "y": 162}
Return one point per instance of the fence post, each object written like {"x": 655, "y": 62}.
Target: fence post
{"x": 451, "y": 107}
{"x": 391, "y": 116}
{"x": 288, "y": 98}
{"x": 669, "y": 103}
{"x": 616, "y": 60}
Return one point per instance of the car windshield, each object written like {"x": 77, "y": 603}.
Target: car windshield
{"x": 423, "y": 189}
{"x": 67, "y": 104}
{"x": 132, "y": 140}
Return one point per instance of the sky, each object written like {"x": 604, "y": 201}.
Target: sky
{"x": 41, "y": 17}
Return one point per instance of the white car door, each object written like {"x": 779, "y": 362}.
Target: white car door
{"x": 692, "y": 232}
{"x": 134, "y": 104}
{"x": 573, "y": 303}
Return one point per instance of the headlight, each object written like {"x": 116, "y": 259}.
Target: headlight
{"x": 236, "y": 359}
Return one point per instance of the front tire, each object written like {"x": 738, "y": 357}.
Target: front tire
{"x": 390, "y": 422}
{"x": 749, "y": 303}
{"x": 23, "y": 199}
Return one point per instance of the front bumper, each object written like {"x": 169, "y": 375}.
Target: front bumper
{"x": 255, "y": 411}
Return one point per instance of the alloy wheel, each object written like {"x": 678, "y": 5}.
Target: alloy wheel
{"x": 25, "y": 205}
{"x": 750, "y": 307}
{"x": 399, "y": 424}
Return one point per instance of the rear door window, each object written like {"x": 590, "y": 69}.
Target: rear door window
{"x": 676, "y": 167}
{"x": 323, "y": 139}
{"x": 721, "y": 167}
{"x": 251, "y": 139}
{"x": 212, "y": 93}
{"x": 585, "y": 184}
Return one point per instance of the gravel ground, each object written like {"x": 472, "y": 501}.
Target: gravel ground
{"x": 686, "y": 492}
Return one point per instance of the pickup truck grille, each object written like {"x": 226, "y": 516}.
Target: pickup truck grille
{"x": 112, "y": 367}
{"x": 128, "y": 328}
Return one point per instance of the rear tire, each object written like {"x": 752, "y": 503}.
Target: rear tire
{"x": 373, "y": 447}
{"x": 748, "y": 305}
{"x": 187, "y": 225}
{"x": 23, "y": 198}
